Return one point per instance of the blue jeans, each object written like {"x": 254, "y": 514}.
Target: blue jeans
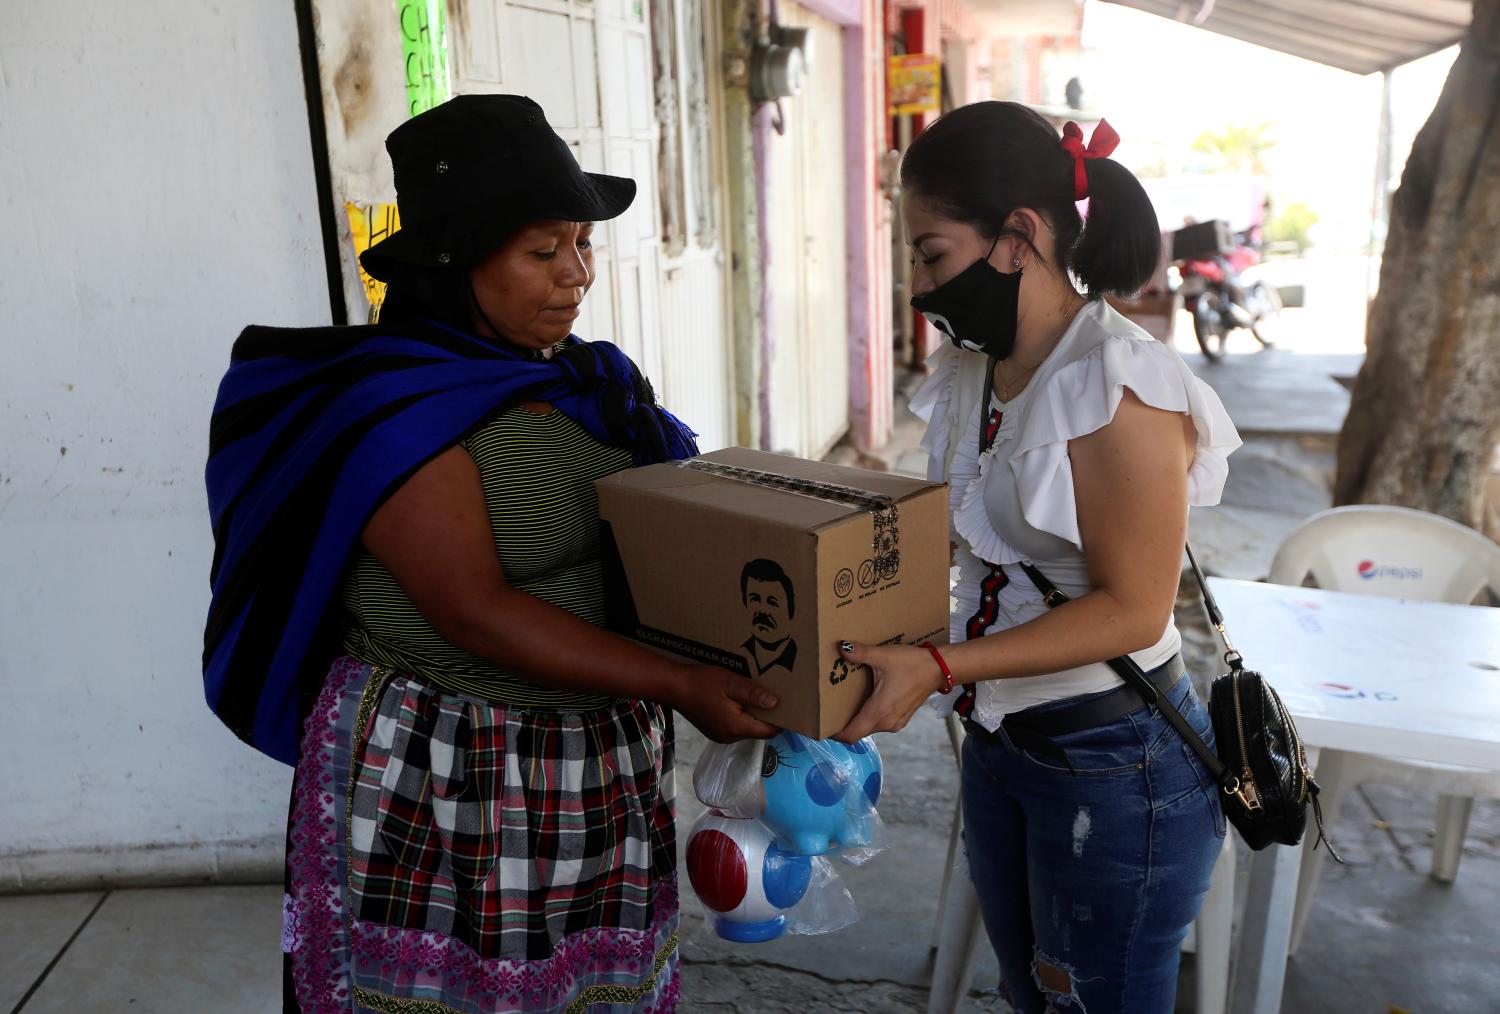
{"x": 1089, "y": 880}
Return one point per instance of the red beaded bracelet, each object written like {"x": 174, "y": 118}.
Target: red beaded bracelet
{"x": 947, "y": 673}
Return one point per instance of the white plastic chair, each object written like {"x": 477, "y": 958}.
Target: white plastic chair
{"x": 959, "y": 933}
{"x": 1397, "y": 553}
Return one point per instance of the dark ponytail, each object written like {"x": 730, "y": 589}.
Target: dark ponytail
{"x": 1121, "y": 242}
{"x": 983, "y": 161}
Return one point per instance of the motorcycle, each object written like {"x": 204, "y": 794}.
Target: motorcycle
{"x": 1215, "y": 291}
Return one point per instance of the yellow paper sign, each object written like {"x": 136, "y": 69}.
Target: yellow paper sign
{"x": 368, "y": 225}
{"x": 914, "y": 83}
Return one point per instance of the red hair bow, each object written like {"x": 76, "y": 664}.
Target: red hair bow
{"x": 1101, "y": 145}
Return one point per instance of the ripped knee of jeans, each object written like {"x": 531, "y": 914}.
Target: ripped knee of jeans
{"x": 1055, "y": 980}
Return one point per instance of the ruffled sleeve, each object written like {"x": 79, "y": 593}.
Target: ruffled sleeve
{"x": 1083, "y": 396}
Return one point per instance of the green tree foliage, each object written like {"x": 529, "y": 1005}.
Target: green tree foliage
{"x": 1239, "y": 147}
{"x": 1292, "y": 224}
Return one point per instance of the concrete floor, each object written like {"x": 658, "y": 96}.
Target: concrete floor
{"x": 1383, "y": 936}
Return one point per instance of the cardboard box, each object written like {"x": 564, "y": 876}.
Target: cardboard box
{"x": 762, "y": 563}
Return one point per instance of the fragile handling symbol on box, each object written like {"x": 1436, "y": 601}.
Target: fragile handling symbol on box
{"x": 761, "y": 563}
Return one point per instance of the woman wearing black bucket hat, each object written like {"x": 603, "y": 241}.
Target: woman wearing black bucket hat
{"x": 407, "y": 605}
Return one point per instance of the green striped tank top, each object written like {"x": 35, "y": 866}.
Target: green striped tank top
{"x": 538, "y": 472}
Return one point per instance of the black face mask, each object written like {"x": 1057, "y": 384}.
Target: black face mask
{"x": 976, "y": 308}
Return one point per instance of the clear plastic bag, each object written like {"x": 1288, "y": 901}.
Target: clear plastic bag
{"x": 781, "y": 809}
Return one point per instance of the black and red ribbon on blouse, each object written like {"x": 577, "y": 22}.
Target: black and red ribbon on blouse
{"x": 989, "y": 586}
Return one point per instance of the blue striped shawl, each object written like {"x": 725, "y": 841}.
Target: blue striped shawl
{"x": 312, "y": 430}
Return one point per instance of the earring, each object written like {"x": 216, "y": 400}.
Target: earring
{"x": 1016, "y": 264}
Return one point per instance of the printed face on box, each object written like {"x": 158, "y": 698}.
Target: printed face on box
{"x": 770, "y": 603}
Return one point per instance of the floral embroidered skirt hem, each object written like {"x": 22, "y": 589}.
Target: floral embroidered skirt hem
{"x": 445, "y": 854}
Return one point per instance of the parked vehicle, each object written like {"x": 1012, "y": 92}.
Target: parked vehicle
{"x": 1211, "y": 264}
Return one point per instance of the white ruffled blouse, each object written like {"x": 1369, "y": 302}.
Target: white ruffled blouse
{"x": 1015, "y": 501}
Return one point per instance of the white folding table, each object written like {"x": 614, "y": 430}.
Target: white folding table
{"x": 1365, "y": 674}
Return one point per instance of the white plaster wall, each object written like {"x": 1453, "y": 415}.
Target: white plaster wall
{"x": 156, "y": 194}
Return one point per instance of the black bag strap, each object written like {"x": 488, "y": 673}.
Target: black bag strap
{"x": 1215, "y": 616}
{"x": 1129, "y": 670}
{"x": 989, "y": 398}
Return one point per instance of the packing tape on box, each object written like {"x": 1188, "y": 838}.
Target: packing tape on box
{"x": 886, "y": 549}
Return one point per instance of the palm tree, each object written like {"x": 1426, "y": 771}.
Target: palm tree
{"x": 1239, "y": 147}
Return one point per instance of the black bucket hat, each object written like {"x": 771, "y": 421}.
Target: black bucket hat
{"x": 471, "y": 171}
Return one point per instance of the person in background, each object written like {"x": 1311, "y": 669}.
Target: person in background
{"x": 407, "y": 605}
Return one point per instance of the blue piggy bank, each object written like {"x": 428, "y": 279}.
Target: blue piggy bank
{"x": 818, "y": 795}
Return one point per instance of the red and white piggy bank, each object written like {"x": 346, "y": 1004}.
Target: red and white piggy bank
{"x": 744, "y": 879}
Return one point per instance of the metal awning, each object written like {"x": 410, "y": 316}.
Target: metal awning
{"x": 1360, "y": 36}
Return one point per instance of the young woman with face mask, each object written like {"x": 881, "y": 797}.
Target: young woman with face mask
{"x": 1074, "y": 444}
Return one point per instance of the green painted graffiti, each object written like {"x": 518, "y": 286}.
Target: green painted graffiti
{"x": 424, "y": 45}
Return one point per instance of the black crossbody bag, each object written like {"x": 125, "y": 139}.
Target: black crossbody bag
{"x": 1261, "y": 764}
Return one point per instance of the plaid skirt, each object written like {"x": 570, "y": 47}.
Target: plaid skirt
{"x": 449, "y": 854}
